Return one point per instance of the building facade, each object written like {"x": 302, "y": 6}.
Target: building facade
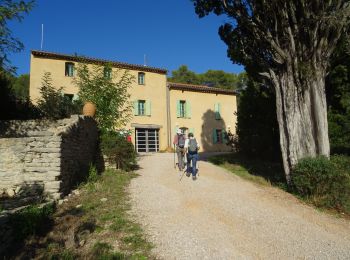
{"x": 160, "y": 108}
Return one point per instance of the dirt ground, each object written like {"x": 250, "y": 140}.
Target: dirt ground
{"x": 221, "y": 216}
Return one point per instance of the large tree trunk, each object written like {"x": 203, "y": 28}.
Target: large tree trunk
{"x": 302, "y": 117}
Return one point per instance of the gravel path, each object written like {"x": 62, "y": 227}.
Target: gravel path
{"x": 221, "y": 216}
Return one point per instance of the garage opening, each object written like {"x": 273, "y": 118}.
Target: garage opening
{"x": 147, "y": 140}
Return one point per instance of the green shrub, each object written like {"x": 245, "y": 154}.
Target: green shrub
{"x": 118, "y": 150}
{"x": 93, "y": 175}
{"x": 53, "y": 104}
{"x": 325, "y": 182}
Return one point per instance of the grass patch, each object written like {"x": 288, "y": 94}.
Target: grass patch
{"x": 326, "y": 188}
{"x": 257, "y": 171}
{"x": 95, "y": 224}
{"x": 112, "y": 217}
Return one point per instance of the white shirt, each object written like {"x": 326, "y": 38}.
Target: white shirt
{"x": 187, "y": 141}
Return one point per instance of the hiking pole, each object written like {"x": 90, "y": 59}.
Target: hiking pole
{"x": 185, "y": 165}
{"x": 174, "y": 158}
{"x": 182, "y": 174}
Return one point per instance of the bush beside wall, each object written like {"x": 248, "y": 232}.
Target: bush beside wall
{"x": 324, "y": 182}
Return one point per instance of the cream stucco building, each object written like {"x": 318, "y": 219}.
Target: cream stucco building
{"x": 159, "y": 107}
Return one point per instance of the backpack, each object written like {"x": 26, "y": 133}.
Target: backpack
{"x": 181, "y": 141}
{"x": 192, "y": 146}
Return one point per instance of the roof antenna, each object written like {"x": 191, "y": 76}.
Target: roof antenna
{"x": 42, "y": 36}
{"x": 144, "y": 60}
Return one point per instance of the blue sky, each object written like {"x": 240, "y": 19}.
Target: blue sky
{"x": 167, "y": 31}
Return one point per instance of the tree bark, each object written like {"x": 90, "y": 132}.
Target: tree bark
{"x": 302, "y": 117}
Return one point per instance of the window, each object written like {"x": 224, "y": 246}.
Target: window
{"x": 141, "y": 108}
{"x": 68, "y": 97}
{"x": 107, "y": 73}
{"x": 219, "y": 136}
{"x": 182, "y": 108}
{"x": 69, "y": 69}
{"x": 141, "y": 78}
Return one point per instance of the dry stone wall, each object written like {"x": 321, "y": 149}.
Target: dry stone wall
{"x": 46, "y": 156}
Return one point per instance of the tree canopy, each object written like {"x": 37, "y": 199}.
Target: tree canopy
{"x": 213, "y": 78}
{"x": 108, "y": 90}
{"x": 11, "y": 10}
{"x": 262, "y": 38}
{"x": 290, "y": 44}
{"x": 20, "y": 86}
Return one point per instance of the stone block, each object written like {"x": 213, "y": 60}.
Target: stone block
{"x": 52, "y": 185}
{"x": 53, "y": 145}
{"x": 46, "y": 150}
{"x": 39, "y": 133}
{"x": 54, "y": 155}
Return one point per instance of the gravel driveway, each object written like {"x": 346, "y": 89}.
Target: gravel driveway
{"x": 221, "y": 216}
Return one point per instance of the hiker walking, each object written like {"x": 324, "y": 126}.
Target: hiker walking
{"x": 179, "y": 143}
{"x": 192, "y": 148}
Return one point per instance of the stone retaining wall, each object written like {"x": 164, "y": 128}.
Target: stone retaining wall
{"x": 54, "y": 155}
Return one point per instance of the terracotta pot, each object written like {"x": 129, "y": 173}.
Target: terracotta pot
{"x": 89, "y": 109}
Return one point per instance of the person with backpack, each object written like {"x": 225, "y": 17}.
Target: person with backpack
{"x": 192, "y": 148}
{"x": 179, "y": 143}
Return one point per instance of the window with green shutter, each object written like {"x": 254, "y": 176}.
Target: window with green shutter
{"x": 69, "y": 69}
{"x": 141, "y": 107}
{"x": 217, "y": 110}
{"x": 217, "y": 136}
{"x": 141, "y": 78}
{"x": 181, "y": 108}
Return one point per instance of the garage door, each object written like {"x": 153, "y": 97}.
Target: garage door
{"x": 147, "y": 140}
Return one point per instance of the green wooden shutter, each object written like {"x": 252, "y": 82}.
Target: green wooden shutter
{"x": 71, "y": 70}
{"x": 148, "y": 108}
{"x": 217, "y": 109}
{"x": 224, "y": 136}
{"x": 136, "y": 108}
{"x": 215, "y": 139}
{"x": 188, "y": 109}
{"x": 75, "y": 97}
{"x": 178, "y": 108}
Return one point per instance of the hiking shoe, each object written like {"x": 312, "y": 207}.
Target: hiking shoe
{"x": 188, "y": 174}
{"x": 194, "y": 177}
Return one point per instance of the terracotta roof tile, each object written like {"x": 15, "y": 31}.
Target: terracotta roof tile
{"x": 200, "y": 88}
{"x": 116, "y": 64}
